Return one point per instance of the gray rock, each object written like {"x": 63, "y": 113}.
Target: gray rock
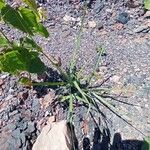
{"x": 123, "y": 18}
{"x": 16, "y": 133}
{"x": 11, "y": 126}
{"x": 13, "y": 113}
{"x": 99, "y": 5}
{"x": 23, "y": 138}
{"x": 31, "y": 127}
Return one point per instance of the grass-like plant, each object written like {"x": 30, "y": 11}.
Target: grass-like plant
{"x": 23, "y": 55}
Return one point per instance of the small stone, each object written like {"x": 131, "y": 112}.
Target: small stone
{"x": 13, "y": 113}
{"x": 147, "y": 14}
{"x": 51, "y": 119}
{"x": 47, "y": 114}
{"x": 68, "y": 18}
{"x": 8, "y": 97}
{"x": 48, "y": 99}
{"x": 92, "y": 24}
{"x": 1, "y": 92}
{"x": 100, "y": 26}
{"x": 4, "y": 76}
{"x": 66, "y": 33}
{"x": 23, "y": 95}
{"x": 31, "y": 127}
{"x": 23, "y": 138}
{"x": 118, "y": 26}
{"x": 16, "y": 133}
{"x": 123, "y": 18}
{"x": 22, "y": 125}
{"x": 115, "y": 79}
{"x": 1, "y": 82}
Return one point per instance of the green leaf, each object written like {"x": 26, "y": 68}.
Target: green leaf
{"x": 35, "y": 64}
{"x": 31, "y": 20}
{"x": 146, "y": 144}
{"x": 20, "y": 59}
{"x": 12, "y": 62}
{"x": 3, "y": 41}
{"x": 12, "y": 17}
{"x": 25, "y": 81}
{"x": 2, "y": 4}
{"x": 42, "y": 30}
{"x": 32, "y": 4}
{"x": 147, "y": 4}
{"x": 30, "y": 44}
{"x": 29, "y": 16}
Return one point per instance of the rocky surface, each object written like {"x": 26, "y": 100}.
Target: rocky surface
{"x": 123, "y": 28}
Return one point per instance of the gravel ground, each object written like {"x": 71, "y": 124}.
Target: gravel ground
{"x": 124, "y": 31}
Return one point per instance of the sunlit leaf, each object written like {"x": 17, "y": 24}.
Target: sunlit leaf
{"x": 146, "y": 144}
{"x": 11, "y": 16}
{"x": 31, "y": 20}
{"x": 21, "y": 59}
{"x": 32, "y": 4}
{"x": 147, "y": 4}
{"x": 3, "y": 41}
{"x": 2, "y": 4}
{"x": 12, "y": 62}
{"x": 42, "y": 30}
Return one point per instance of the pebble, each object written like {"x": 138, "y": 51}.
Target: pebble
{"x": 4, "y": 76}
{"x": 8, "y": 97}
{"x": 31, "y": 127}
{"x": 11, "y": 126}
{"x": 92, "y": 24}
{"x": 100, "y": 26}
{"x": 147, "y": 14}
{"x": 1, "y": 82}
{"x": 143, "y": 28}
{"x": 13, "y": 113}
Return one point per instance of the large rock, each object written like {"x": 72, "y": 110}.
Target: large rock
{"x": 55, "y": 136}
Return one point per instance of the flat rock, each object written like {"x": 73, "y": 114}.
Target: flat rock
{"x": 54, "y": 136}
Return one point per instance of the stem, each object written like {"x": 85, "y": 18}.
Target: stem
{"x": 101, "y": 50}
{"x": 78, "y": 43}
{"x": 48, "y": 83}
{"x": 62, "y": 72}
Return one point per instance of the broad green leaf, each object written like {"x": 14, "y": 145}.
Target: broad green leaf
{"x": 3, "y": 41}
{"x": 30, "y": 44}
{"x": 31, "y": 19}
{"x": 29, "y": 16}
{"x": 146, "y": 144}
{"x": 12, "y": 17}
{"x": 20, "y": 59}
{"x": 35, "y": 64}
{"x": 12, "y": 62}
{"x": 147, "y": 4}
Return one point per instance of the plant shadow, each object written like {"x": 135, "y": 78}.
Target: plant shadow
{"x": 101, "y": 141}
{"x": 50, "y": 75}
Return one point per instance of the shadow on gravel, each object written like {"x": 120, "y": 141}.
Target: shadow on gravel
{"x": 49, "y": 76}
{"x": 101, "y": 141}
